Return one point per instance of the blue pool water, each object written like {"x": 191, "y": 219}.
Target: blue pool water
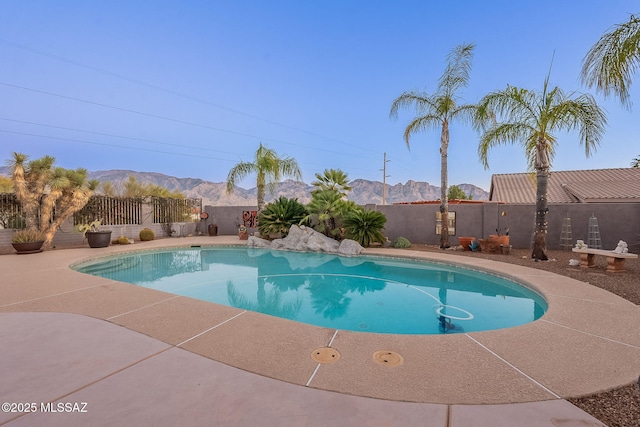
{"x": 366, "y": 294}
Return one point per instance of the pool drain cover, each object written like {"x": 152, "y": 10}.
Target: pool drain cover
{"x": 325, "y": 355}
{"x": 388, "y": 358}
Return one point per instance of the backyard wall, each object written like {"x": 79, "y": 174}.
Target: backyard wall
{"x": 616, "y": 221}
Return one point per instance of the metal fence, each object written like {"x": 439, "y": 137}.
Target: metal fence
{"x": 113, "y": 211}
{"x": 167, "y": 210}
{"x": 110, "y": 211}
{"x": 10, "y": 211}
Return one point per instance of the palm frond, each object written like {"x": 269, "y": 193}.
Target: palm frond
{"x": 456, "y": 75}
{"x": 610, "y": 63}
{"x": 238, "y": 173}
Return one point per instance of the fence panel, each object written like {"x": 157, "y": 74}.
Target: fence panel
{"x": 167, "y": 210}
{"x": 111, "y": 211}
{"x": 11, "y": 215}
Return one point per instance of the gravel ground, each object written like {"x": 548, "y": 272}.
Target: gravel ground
{"x": 618, "y": 407}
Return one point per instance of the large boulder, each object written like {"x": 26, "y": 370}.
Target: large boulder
{"x": 257, "y": 242}
{"x": 305, "y": 239}
{"x": 349, "y": 248}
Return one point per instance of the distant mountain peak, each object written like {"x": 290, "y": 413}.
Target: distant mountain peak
{"x": 214, "y": 193}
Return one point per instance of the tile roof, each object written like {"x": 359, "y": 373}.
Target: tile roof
{"x": 583, "y": 186}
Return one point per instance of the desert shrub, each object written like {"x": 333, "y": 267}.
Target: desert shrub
{"x": 365, "y": 226}
{"x": 401, "y": 243}
{"x": 279, "y": 215}
{"x": 122, "y": 240}
{"x": 147, "y": 234}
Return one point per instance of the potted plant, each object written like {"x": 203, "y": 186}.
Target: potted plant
{"x": 502, "y": 236}
{"x": 243, "y": 234}
{"x": 465, "y": 242}
{"x": 95, "y": 237}
{"x": 27, "y": 241}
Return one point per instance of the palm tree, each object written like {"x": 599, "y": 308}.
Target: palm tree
{"x": 269, "y": 169}
{"x": 438, "y": 110}
{"x": 611, "y": 62}
{"x": 332, "y": 179}
{"x": 531, "y": 118}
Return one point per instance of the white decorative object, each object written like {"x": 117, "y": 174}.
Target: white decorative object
{"x": 622, "y": 247}
{"x": 574, "y": 262}
{"x": 581, "y": 245}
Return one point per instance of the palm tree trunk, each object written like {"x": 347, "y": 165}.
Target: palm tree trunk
{"x": 444, "y": 173}
{"x": 260, "y": 197}
{"x": 542, "y": 179}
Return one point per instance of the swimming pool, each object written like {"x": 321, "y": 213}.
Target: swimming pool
{"x": 365, "y": 293}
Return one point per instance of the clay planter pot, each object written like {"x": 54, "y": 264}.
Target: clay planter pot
{"x": 28, "y": 247}
{"x": 98, "y": 239}
{"x": 500, "y": 240}
{"x": 243, "y": 236}
{"x": 465, "y": 242}
{"x": 213, "y": 230}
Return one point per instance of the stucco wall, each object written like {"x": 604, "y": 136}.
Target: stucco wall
{"x": 616, "y": 221}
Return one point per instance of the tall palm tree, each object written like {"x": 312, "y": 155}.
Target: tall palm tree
{"x": 438, "y": 110}
{"x": 268, "y": 167}
{"x": 611, "y": 62}
{"x": 531, "y": 118}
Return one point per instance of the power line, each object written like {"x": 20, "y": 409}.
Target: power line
{"x": 113, "y": 145}
{"x": 172, "y": 92}
{"x": 131, "y": 147}
{"x": 156, "y": 116}
{"x": 120, "y": 136}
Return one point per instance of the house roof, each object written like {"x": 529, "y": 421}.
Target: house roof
{"x": 583, "y": 186}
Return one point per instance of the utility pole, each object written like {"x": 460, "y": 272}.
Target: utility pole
{"x": 384, "y": 179}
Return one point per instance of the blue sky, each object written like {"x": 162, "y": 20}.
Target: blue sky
{"x": 189, "y": 88}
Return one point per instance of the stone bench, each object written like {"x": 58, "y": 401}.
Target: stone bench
{"x": 615, "y": 261}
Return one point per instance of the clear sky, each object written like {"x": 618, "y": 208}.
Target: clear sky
{"x": 189, "y": 88}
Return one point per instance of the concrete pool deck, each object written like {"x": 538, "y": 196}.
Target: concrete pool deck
{"x": 138, "y": 356}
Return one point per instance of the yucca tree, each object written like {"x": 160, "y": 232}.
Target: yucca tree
{"x": 333, "y": 179}
{"x": 269, "y": 169}
{"x": 43, "y": 190}
{"x": 610, "y": 63}
{"x": 531, "y": 118}
{"x": 438, "y": 110}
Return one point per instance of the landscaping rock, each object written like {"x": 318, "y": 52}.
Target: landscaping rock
{"x": 257, "y": 242}
{"x": 305, "y": 239}
{"x": 349, "y": 248}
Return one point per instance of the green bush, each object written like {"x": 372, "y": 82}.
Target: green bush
{"x": 279, "y": 215}
{"x": 365, "y": 226}
{"x": 401, "y": 243}
{"x": 147, "y": 234}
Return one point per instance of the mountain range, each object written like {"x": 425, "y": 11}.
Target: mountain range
{"x": 214, "y": 193}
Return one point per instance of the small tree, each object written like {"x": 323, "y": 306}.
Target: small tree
{"x": 458, "y": 193}
{"x": 48, "y": 195}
